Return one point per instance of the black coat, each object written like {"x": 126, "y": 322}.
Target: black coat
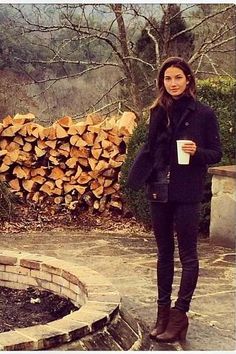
{"x": 198, "y": 123}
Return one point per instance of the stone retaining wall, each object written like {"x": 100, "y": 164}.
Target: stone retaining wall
{"x": 223, "y": 206}
{"x": 99, "y": 300}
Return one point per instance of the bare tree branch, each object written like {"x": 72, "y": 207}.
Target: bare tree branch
{"x": 213, "y": 65}
{"x": 141, "y": 61}
{"x": 199, "y": 53}
{"x": 157, "y": 51}
{"x": 199, "y": 64}
{"x": 206, "y": 18}
{"x": 67, "y": 61}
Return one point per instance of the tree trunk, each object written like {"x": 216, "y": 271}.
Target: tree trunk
{"x": 129, "y": 64}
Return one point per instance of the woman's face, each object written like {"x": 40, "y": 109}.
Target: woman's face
{"x": 175, "y": 81}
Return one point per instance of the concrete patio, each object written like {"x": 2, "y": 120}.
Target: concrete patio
{"x": 129, "y": 262}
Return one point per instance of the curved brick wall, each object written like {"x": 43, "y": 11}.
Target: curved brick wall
{"x": 98, "y": 298}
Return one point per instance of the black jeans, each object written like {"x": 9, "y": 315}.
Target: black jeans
{"x": 184, "y": 219}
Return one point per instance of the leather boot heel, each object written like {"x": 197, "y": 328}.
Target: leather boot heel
{"x": 183, "y": 333}
{"x": 163, "y": 314}
{"x": 177, "y": 327}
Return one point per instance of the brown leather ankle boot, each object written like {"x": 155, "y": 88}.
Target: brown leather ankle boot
{"x": 177, "y": 327}
{"x": 162, "y": 320}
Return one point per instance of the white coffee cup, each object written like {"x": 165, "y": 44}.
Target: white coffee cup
{"x": 183, "y": 157}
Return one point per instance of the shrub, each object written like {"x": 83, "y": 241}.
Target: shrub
{"x": 217, "y": 93}
{"x": 220, "y": 95}
{"x": 136, "y": 201}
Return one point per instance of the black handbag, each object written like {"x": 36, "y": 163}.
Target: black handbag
{"x": 157, "y": 191}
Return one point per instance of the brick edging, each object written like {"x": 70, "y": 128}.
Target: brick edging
{"x": 98, "y": 298}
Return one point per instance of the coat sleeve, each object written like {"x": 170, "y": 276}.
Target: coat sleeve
{"x": 142, "y": 165}
{"x": 211, "y": 153}
{"x": 141, "y": 169}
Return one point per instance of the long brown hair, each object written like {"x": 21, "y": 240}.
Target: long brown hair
{"x": 164, "y": 99}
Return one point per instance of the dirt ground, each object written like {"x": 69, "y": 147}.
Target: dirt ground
{"x": 28, "y": 217}
{"x": 24, "y": 308}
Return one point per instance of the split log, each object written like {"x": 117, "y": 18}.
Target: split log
{"x": 42, "y": 144}
{"x": 11, "y": 130}
{"x": 21, "y": 172}
{"x": 3, "y": 143}
{"x": 68, "y": 187}
{"x": 65, "y": 122}
{"x": 58, "y": 200}
{"x": 60, "y": 132}
{"x": 88, "y": 138}
{"x": 27, "y": 147}
{"x": 28, "y": 184}
{"x": 78, "y": 172}
{"x": 38, "y": 179}
{"x": 39, "y": 152}
{"x": 57, "y": 173}
{"x": 77, "y": 141}
{"x": 101, "y": 166}
{"x": 48, "y": 187}
{"x": 83, "y": 162}
{"x": 15, "y": 184}
{"x": 19, "y": 140}
{"x": 59, "y": 183}
{"x": 7, "y": 121}
{"x": 115, "y": 139}
{"x": 98, "y": 192}
{"x": 83, "y": 152}
{"x": 71, "y": 162}
{"x": 4, "y": 168}
{"x": 23, "y": 118}
{"x": 77, "y": 129}
{"x": 92, "y": 163}
{"x": 12, "y": 146}
{"x": 36, "y": 197}
{"x": 11, "y": 157}
{"x": 96, "y": 152}
{"x": 127, "y": 123}
{"x": 51, "y": 143}
{"x": 41, "y": 171}
{"x": 84, "y": 178}
{"x": 3, "y": 152}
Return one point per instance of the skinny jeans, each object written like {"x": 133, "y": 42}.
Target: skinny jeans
{"x": 183, "y": 218}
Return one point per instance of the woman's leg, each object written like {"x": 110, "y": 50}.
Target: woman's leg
{"x": 187, "y": 222}
{"x": 162, "y": 222}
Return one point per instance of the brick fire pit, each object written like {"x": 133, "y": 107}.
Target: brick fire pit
{"x": 97, "y": 298}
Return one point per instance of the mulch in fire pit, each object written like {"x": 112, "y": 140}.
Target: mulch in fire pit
{"x": 29, "y": 307}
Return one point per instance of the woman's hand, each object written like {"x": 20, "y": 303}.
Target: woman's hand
{"x": 190, "y": 147}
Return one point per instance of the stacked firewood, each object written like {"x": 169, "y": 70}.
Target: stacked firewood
{"x": 70, "y": 163}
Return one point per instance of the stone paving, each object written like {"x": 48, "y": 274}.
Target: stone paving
{"x": 129, "y": 262}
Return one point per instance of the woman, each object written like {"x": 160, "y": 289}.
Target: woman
{"x": 175, "y": 190}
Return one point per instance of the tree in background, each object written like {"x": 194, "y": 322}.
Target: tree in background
{"x": 163, "y": 33}
{"x": 66, "y": 43}
{"x": 214, "y": 42}
{"x": 145, "y": 50}
{"x": 173, "y": 38}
